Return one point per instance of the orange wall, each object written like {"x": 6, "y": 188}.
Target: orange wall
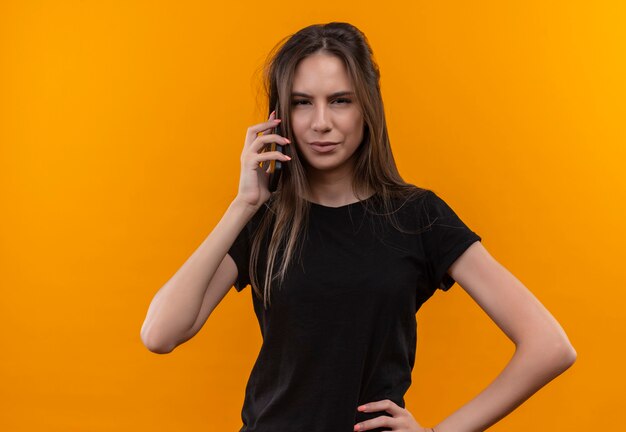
{"x": 121, "y": 125}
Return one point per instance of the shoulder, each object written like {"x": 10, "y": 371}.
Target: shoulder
{"x": 406, "y": 198}
{"x": 436, "y": 209}
{"x": 405, "y": 208}
{"x": 424, "y": 210}
{"x": 414, "y": 202}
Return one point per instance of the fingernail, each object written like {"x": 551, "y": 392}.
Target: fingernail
{"x": 272, "y": 113}
{"x": 277, "y": 120}
{"x": 288, "y": 158}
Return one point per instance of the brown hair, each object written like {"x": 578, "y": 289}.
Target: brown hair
{"x": 375, "y": 168}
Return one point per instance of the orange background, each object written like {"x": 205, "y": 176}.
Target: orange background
{"x": 121, "y": 125}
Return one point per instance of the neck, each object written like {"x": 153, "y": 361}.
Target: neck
{"x": 333, "y": 188}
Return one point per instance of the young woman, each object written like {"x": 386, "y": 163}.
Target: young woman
{"x": 341, "y": 257}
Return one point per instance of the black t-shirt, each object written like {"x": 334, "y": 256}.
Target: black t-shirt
{"x": 341, "y": 331}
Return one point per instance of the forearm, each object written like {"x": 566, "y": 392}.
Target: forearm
{"x": 530, "y": 368}
{"x": 176, "y": 305}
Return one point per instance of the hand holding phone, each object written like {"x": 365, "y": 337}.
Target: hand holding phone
{"x": 275, "y": 166}
{"x": 256, "y": 163}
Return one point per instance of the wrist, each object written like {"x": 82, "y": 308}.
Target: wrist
{"x": 240, "y": 205}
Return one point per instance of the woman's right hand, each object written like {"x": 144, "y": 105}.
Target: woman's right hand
{"x": 253, "y": 181}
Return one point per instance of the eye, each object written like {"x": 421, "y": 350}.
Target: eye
{"x": 304, "y": 101}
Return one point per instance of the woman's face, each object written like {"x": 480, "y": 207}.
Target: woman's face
{"x": 319, "y": 113}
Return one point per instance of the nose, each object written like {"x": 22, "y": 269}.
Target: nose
{"x": 321, "y": 121}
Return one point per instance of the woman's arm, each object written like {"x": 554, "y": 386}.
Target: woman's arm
{"x": 542, "y": 349}
{"x": 174, "y": 312}
{"x": 175, "y": 307}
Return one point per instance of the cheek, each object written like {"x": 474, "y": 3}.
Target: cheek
{"x": 356, "y": 126}
{"x": 297, "y": 126}
{"x": 353, "y": 120}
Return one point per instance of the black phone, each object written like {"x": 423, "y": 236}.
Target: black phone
{"x": 275, "y": 166}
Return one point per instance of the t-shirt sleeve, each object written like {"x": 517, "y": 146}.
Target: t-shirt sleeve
{"x": 241, "y": 249}
{"x": 445, "y": 239}
{"x": 240, "y": 253}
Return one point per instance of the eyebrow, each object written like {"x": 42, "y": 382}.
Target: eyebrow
{"x": 336, "y": 94}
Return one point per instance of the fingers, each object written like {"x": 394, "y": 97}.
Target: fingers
{"x": 263, "y": 140}
{"x": 382, "y": 405}
{"x": 377, "y": 422}
{"x": 387, "y": 405}
{"x": 257, "y": 128}
{"x": 271, "y": 155}
{"x": 253, "y": 155}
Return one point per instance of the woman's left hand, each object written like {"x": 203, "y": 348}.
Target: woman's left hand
{"x": 401, "y": 420}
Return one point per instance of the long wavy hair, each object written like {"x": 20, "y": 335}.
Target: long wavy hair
{"x": 286, "y": 218}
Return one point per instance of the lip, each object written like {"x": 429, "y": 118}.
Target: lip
{"x": 323, "y": 147}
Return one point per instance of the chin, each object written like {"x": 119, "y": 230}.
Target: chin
{"x": 327, "y": 165}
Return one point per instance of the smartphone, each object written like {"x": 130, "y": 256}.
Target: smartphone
{"x": 275, "y": 166}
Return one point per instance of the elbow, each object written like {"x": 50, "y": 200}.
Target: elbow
{"x": 555, "y": 355}
{"x": 156, "y": 346}
{"x": 561, "y": 355}
{"x": 568, "y": 355}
